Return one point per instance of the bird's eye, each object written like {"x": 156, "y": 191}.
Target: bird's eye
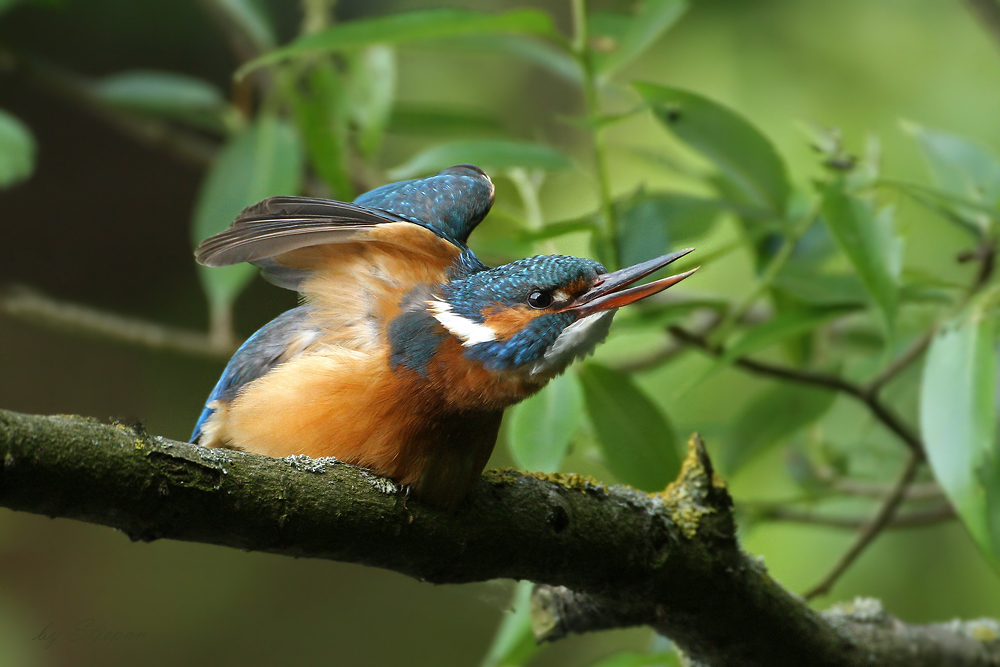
{"x": 539, "y": 299}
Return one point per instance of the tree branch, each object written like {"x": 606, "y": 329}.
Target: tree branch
{"x": 28, "y": 305}
{"x": 870, "y": 530}
{"x": 884, "y": 639}
{"x": 669, "y": 560}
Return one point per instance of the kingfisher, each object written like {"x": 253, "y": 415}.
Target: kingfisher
{"x": 407, "y": 348}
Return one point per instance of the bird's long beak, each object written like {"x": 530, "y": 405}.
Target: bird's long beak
{"x": 607, "y": 292}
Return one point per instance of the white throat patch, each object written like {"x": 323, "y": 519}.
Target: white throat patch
{"x": 577, "y": 340}
{"x": 468, "y": 331}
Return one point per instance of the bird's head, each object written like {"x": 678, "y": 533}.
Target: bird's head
{"x": 536, "y": 315}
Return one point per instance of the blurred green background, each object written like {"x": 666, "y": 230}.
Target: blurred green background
{"x": 105, "y": 222}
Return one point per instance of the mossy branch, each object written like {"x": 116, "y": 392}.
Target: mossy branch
{"x": 604, "y": 556}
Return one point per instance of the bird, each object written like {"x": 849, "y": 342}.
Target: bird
{"x": 406, "y": 348}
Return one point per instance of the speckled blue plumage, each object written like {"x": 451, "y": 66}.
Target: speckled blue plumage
{"x": 414, "y": 336}
{"x": 511, "y": 284}
{"x": 450, "y": 204}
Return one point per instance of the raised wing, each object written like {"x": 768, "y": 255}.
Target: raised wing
{"x": 429, "y": 219}
{"x": 282, "y": 224}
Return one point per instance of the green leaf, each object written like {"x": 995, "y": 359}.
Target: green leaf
{"x": 742, "y": 154}
{"x": 779, "y": 328}
{"x": 320, "y": 114}
{"x": 652, "y": 222}
{"x": 642, "y": 231}
{"x": 958, "y": 421}
{"x": 543, "y": 426}
{"x": 961, "y": 168}
{"x": 265, "y": 160}
{"x": 821, "y": 289}
{"x": 551, "y": 57}
{"x": 869, "y": 243}
{"x": 514, "y": 642}
{"x": 371, "y": 94}
{"x": 637, "y": 440}
{"x": 551, "y": 230}
{"x": 972, "y": 216}
{"x": 405, "y": 27}
{"x": 660, "y": 315}
{"x": 772, "y": 418}
{"x": 490, "y": 154}
{"x": 247, "y": 19}
{"x": 430, "y": 121}
{"x": 17, "y": 150}
{"x": 653, "y": 18}
{"x": 167, "y": 95}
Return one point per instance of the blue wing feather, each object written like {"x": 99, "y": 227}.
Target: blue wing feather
{"x": 264, "y": 350}
{"x": 451, "y": 203}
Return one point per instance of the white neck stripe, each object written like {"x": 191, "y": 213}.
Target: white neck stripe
{"x": 468, "y": 331}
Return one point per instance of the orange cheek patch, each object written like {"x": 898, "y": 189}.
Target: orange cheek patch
{"x": 506, "y": 322}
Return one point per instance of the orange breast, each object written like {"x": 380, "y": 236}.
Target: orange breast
{"x": 352, "y": 406}
{"x": 465, "y": 384}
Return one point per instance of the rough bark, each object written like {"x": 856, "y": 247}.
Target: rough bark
{"x": 604, "y": 556}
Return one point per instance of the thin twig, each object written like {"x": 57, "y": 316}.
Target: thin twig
{"x": 864, "y": 489}
{"x": 870, "y": 530}
{"x": 988, "y": 13}
{"x": 655, "y": 357}
{"x": 985, "y": 253}
{"x": 669, "y": 349}
{"x": 185, "y": 145}
{"x": 938, "y": 514}
{"x": 888, "y": 373}
{"x": 28, "y": 305}
{"x": 833, "y": 382}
